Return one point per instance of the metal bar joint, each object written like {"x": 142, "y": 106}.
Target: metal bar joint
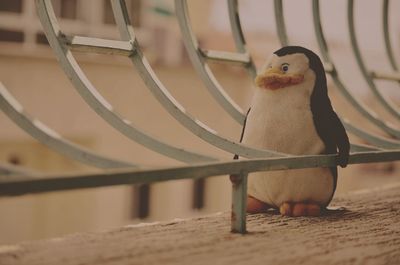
{"x": 101, "y": 46}
{"x": 228, "y": 57}
{"x": 393, "y": 76}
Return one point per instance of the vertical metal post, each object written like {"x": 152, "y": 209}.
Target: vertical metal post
{"x": 239, "y": 201}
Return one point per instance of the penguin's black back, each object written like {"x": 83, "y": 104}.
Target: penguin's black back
{"x": 321, "y": 106}
{"x": 326, "y": 122}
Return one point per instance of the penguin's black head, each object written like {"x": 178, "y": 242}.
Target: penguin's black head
{"x": 289, "y": 66}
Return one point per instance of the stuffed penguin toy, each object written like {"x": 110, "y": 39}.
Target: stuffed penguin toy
{"x": 291, "y": 113}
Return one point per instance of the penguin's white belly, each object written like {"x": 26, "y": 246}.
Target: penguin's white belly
{"x": 286, "y": 126}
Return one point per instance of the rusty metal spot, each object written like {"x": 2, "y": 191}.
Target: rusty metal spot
{"x": 235, "y": 179}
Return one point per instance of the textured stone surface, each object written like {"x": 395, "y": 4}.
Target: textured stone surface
{"x": 367, "y": 232}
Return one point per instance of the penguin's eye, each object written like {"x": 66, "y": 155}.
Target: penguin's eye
{"x": 285, "y": 67}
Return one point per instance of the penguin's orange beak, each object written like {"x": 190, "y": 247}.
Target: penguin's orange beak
{"x": 274, "y": 78}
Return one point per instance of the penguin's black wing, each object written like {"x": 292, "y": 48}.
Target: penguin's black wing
{"x": 339, "y": 135}
{"x": 243, "y": 129}
{"x": 329, "y": 127}
{"x": 235, "y": 157}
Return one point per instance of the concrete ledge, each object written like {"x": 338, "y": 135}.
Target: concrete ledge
{"x": 367, "y": 232}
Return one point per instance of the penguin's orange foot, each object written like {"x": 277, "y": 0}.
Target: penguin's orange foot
{"x": 300, "y": 209}
{"x": 286, "y": 209}
{"x": 313, "y": 209}
{"x": 256, "y": 206}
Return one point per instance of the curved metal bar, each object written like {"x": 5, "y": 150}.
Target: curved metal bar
{"x": 375, "y": 140}
{"x": 360, "y": 107}
{"x": 93, "y": 97}
{"x": 280, "y": 23}
{"x": 379, "y": 142}
{"x": 389, "y": 106}
{"x": 169, "y": 102}
{"x": 386, "y": 35}
{"x": 355, "y": 148}
{"x": 199, "y": 63}
{"x": 241, "y": 46}
{"x": 13, "y": 172}
{"x": 238, "y": 35}
{"x": 38, "y": 130}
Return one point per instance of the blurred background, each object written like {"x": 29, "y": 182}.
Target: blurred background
{"x": 29, "y": 69}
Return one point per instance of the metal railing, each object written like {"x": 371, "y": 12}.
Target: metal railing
{"x": 377, "y": 149}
